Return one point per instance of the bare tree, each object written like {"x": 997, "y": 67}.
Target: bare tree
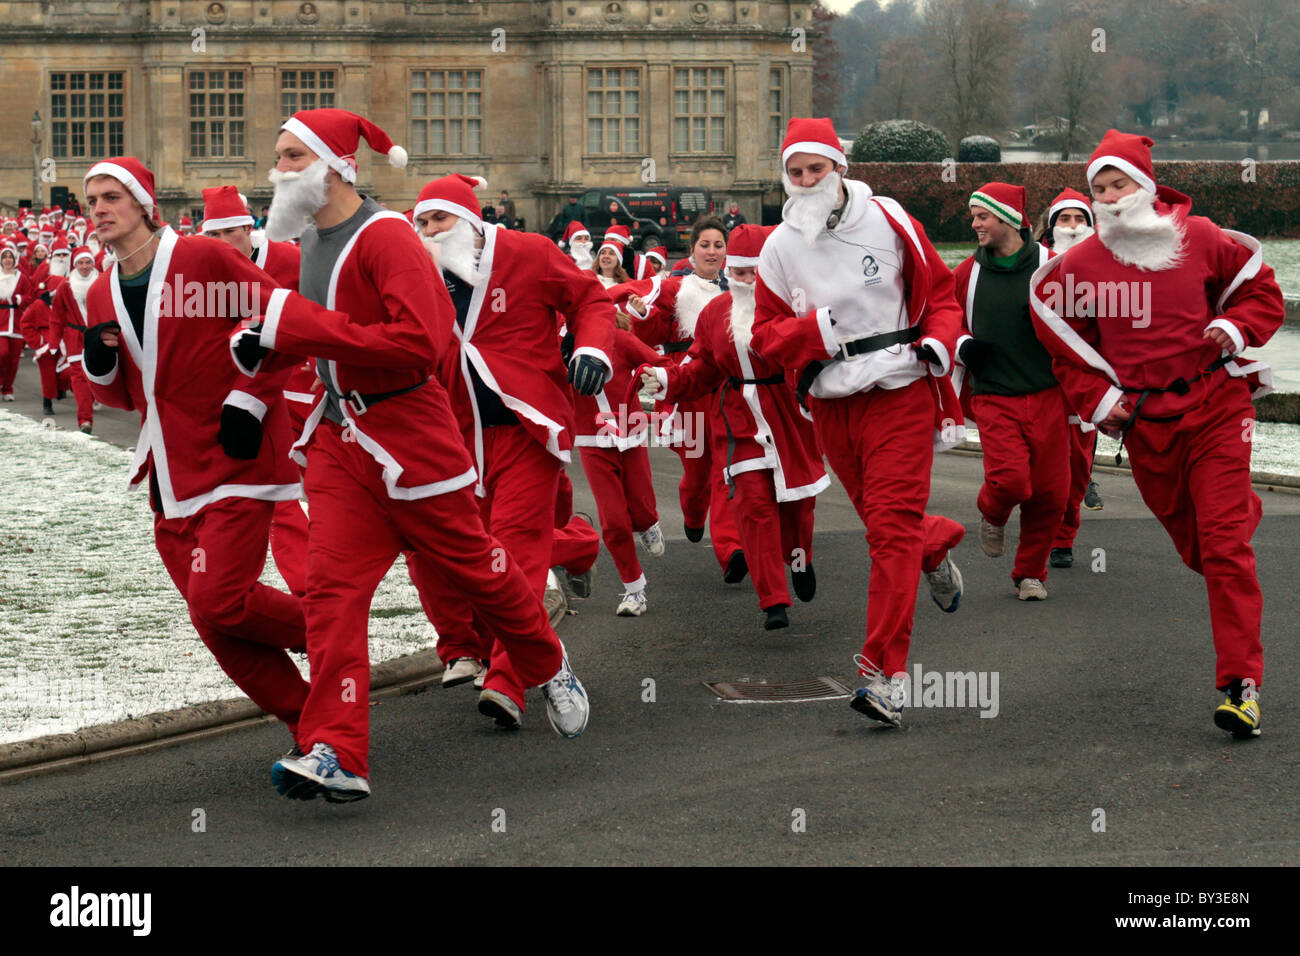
{"x": 1261, "y": 41}
{"x": 973, "y": 46}
{"x": 1075, "y": 69}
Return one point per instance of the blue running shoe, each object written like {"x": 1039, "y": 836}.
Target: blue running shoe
{"x": 318, "y": 774}
{"x": 566, "y": 702}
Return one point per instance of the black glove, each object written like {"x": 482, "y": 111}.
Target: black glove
{"x": 47, "y": 296}
{"x": 975, "y": 354}
{"x": 241, "y": 432}
{"x": 927, "y": 354}
{"x": 247, "y": 348}
{"x": 96, "y": 357}
{"x": 566, "y": 351}
{"x": 587, "y": 374}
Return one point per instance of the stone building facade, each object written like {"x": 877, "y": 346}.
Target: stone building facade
{"x": 541, "y": 97}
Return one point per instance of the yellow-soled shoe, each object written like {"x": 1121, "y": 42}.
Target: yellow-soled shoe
{"x": 1239, "y": 717}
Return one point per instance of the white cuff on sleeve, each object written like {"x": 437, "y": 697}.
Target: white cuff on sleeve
{"x": 661, "y": 375}
{"x": 271, "y": 321}
{"x": 106, "y": 380}
{"x": 829, "y": 342}
{"x": 1233, "y": 332}
{"x": 941, "y": 350}
{"x": 1108, "y": 401}
{"x": 627, "y": 307}
{"x": 249, "y": 403}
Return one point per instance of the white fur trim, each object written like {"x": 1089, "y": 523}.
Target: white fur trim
{"x": 1124, "y": 166}
{"x": 271, "y": 320}
{"x": 1108, "y": 402}
{"x": 661, "y": 376}
{"x": 445, "y": 205}
{"x": 961, "y": 339}
{"x": 397, "y": 157}
{"x": 317, "y": 146}
{"x": 819, "y": 149}
{"x": 1233, "y": 333}
{"x": 123, "y": 176}
{"x": 829, "y": 342}
{"x": 211, "y": 225}
{"x": 1070, "y": 204}
{"x": 941, "y": 350}
{"x": 742, "y": 262}
{"x": 249, "y": 403}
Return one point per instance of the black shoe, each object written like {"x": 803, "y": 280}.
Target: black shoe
{"x": 694, "y": 534}
{"x": 1092, "y": 497}
{"x": 805, "y": 584}
{"x": 47, "y": 407}
{"x": 776, "y": 618}
{"x": 737, "y": 568}
{"x": 1061, "y": 558}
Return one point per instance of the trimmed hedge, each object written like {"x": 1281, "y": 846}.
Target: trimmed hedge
{"x": 1268, "y": 207}
{"x": 899, "y": 141}
{"x": 979, "y": 149}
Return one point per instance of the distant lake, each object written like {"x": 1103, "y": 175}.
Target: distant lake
{"x": 1190, "y": 151}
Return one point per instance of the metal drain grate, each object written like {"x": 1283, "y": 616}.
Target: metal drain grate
{"x": 761, "y": 692}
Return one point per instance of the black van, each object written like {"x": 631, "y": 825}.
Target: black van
{"x": 655, "y": 215}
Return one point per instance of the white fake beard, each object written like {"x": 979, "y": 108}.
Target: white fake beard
{"x": 298, "y": 196}
{"x": 582, "y": 256}
{"x": 810, "y": 206}
{"x": 92, "y": 243}
{"x": 81, "y": 286}
{"x": 456, "y": 253}
{"x": 58, "y": 266}
{"x": 1136, "y": 235}
{"x": 692, "y": 296}
{"x": 1063, "y": 237}
{"x": 741, "y": 329}
{"x": 8, "y": 282}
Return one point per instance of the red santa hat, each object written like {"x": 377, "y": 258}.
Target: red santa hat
{"x": 617, "y": 238}
{"x": 60, "y": 247}
{"x": 453, "y": 194}
{"x": 659, "y": 254}
{"x": 1127, "y": 152}
{"x": 1004, "y": 200}
{"x": 186, "y": 224}
{"x": 10, "y": 246}
{"x": 334, "y": 134}
{"x": 812, "y": 135}
{"x": 224, "y": 208}
{"x": 1069, "y": 199}
{"x": 576, "y": 229}
{"x": 132, "y": 174}
{"x": 82, "y": 252}
{"x": 744, "y": 243}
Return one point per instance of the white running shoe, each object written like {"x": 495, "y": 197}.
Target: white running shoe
{"x": 1031, "y": 589}
{"x": 632, "y": 605}
{"x": 882, "y": 698}
{"x": 317, "y": 774}
{"x": 653, "y": 539}
{"x": 462, "y": 670}
{"x": 566, "y": 702}
{"x": 945, "y": 585}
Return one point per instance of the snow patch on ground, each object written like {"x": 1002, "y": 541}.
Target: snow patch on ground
{"x": 92, "y": 629}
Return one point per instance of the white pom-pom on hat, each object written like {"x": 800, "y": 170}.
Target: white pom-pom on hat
{"x": 397, "y": 157}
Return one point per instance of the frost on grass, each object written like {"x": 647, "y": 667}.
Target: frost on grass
{"x": 92, "y": 629}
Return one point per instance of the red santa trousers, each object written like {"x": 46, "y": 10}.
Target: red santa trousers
{"x": 1026, "y": 449}
{"x": 881, "y": 445}
{"x": 702, "y": 491}
{"x": 1083, "y": 446}
{"x": 1194, "y": 474}
{"x": 289, "y": 544}
{"x": 774, "y": 534}
{"x": 81, "y": 392}
{"x": 52, "y": 382}
{"x": 215, "y": 558}
{"x": 575, "y": 544}
{"x": 357, "y": 531}
{"x": 625, "y": 502}
{"x": 11, "y": 351}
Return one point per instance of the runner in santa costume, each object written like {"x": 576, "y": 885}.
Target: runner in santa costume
{"x": 853, "y": 300}
{"x": 632, "y": 261}
{"x": 226, "y": 218}
{"x": 507, "y": 385}
{"x": 1069, "y": 222}
{"x": 608, "y": 267}
{"x": 762, "y": 440}
{"x": 186, "y": 226}
{"x": 617, "y": 466}
{"x": 50, "y": 362}
{"x": 67, "y": 330}
{"x": 665, "y": 318}
{"x": 213, "y": 446}
{"x": 387, "y": 469}
{"x": 1015, "y": 399}
{"x": 15, "y": 292}
{"x": 577, "y": 243}
{"x": 1167, "y": 377}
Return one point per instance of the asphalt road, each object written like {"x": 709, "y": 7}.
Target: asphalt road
{"x": 1104, "y": 704}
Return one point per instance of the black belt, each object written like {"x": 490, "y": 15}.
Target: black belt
{"x": 871, "y": 343}
{"x": 734, "y": 382}
{"x": 360, "y": 404}
{"x": 1179, "y": 386}
{"x": 671, "y": 348}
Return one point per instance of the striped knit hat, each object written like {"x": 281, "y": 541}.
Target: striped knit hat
{"x": 1005, "y": 201}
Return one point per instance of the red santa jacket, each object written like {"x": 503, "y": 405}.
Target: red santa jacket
{"x": 35, "y": 323}
{"x": 795, "y": 341}
{"x": 768, "y": 428}
{"x": 523, "y": 281}
{"x": 392, "y": 330}
{"x": 15, "y": 292}
{"x": 607, "y": 419}
{"x": 279, "y": 260}
{"x": 181, "y": 375}
{"x": 1146, "y": 328}
{"x": 67, "y": 324}
{"x": 282, "y": 261}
